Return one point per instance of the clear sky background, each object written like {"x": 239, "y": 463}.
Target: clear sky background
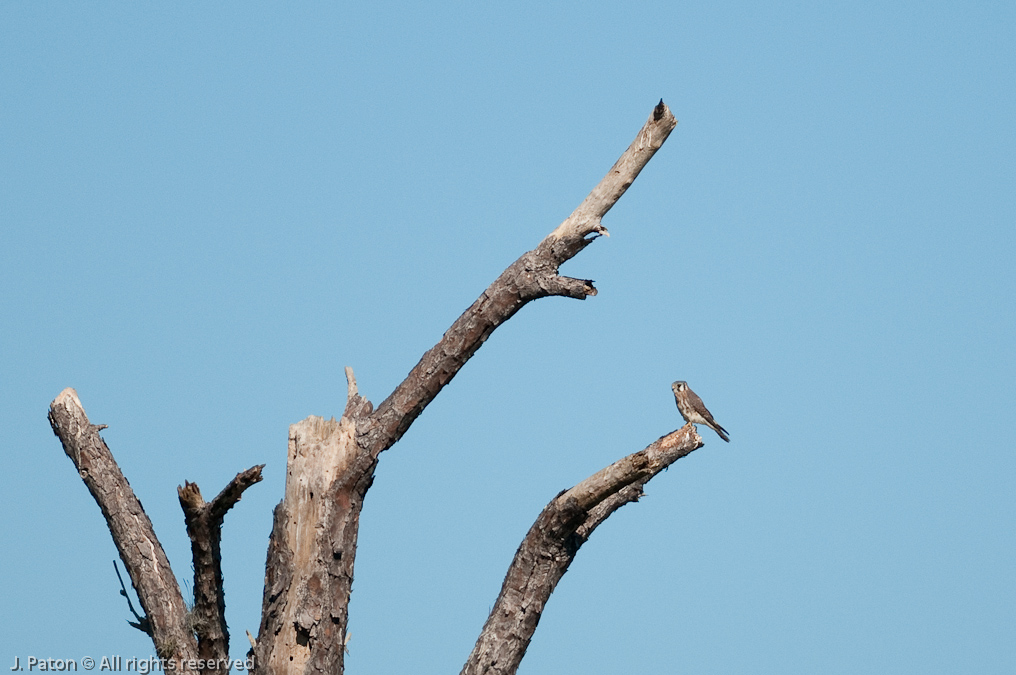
{"x": 207, "y": 210}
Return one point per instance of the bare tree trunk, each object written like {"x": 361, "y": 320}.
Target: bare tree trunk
{"x": 309, "y": 572}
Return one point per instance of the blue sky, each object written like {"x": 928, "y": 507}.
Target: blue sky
{"x": 207, "y": 210}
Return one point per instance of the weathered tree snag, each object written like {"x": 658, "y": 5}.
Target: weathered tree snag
{"x": 330, "y": 468}
{"x": 331, "y": 464}
{"x": 309, "y": 570}
{"x": 132, "y": 532}
{"x": 204, "y": 527}
{"x": 551, "y": 544}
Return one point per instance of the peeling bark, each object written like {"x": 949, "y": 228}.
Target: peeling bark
{"x": 309, "y": 572}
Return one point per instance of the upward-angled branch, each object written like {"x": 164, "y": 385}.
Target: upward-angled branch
{"x": 552, "y": 542}
{"x": 132, "y": 532}
{"x": 204, "y": 527}
{"x": 534, "y": 275}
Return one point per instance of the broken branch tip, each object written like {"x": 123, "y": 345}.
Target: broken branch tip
{"x": 67, "y": 396}
{"x": 351, "y": 382}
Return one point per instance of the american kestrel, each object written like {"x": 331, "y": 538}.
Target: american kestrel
{"x": 693, "y": 410}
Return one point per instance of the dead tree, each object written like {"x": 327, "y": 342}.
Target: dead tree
{"x": 330, "y": 468}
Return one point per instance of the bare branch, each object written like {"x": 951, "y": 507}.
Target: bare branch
{"x": 142, "y": 623}
{"x": 204, "y": 527}
{"x": 132, "y": 532}
{"x": 552, "y": 543}
{"x": 585, "y": 219}
{"x": 532, "y": 276}
{"x": 231, "y": 494}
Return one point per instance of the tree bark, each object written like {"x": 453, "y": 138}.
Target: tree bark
{"x": 185, "y": 637}
{"x": 204, "y": 527}
{"x": 309, "y": 572}
{"x": 132, "y": 532}
{"x": 552, "y": 543}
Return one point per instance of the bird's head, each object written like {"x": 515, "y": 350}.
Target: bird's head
{"x": 680, "y": 385}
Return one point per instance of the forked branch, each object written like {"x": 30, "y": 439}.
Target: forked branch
{"x": 204, "y": 527}
{"x": 552, "y": 542}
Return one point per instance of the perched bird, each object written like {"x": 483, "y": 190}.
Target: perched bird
{"x": 693, "y": 410}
